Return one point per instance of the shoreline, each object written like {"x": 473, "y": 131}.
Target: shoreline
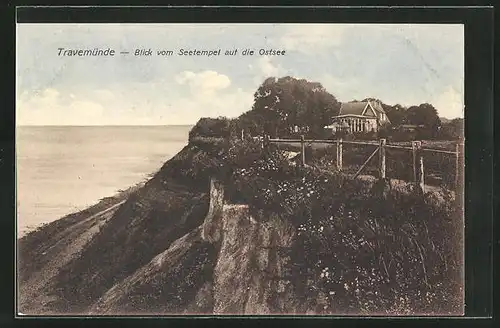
{"x": 101, "y": 205}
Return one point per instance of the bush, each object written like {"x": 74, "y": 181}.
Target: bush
{"x": 366, "y": 136}
{"x": 392, "y": 251}
{"x": 453, "y": 130}
{"x": 221, "y": 127}
{"x": 394, "y": 255}
{"x": 365, "y": 249}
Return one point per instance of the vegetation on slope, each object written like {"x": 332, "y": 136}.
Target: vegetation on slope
{"x": 362, "y": 248}
{"x": 151, "y": 219}
{"x": 368, "y": 248}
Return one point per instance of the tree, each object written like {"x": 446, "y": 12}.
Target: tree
{"x": 425, "y": 115}
{"x": 452, "y": 130}
{"x": 396, "y": 114}
{"x": 280, "y": 104}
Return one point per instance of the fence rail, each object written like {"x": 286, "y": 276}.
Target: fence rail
{"x": 416, "y": 149}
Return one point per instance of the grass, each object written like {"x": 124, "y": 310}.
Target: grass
{"x": 393, "y": 249}
{"x": 368, "y": 247}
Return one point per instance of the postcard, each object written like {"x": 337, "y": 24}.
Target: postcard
{"x": 240, "y": 169}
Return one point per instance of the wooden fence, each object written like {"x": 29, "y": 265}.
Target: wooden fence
{"x": 417, "y": 150}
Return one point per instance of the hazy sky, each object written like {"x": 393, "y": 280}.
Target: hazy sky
{"x": 405, "y": 64}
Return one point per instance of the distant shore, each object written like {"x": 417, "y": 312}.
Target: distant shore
{"x": 67, "y": 220}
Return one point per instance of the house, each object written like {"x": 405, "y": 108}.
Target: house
{"x": 359, "y": 117}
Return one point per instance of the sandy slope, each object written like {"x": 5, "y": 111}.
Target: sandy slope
{"x": 65, "y": 246}
{"x": 43, "y": 252}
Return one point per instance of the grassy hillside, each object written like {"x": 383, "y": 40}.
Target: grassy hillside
{"x": 354, "y": 246}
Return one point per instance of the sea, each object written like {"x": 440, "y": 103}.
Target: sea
{"x": 64, "y": 169}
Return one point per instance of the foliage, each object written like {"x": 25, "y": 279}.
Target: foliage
{"x": 427, "y": 116}
{"x": 396, "y": 113}
{"x": 423, "y": 115}
{"x": 220, "y": 127}
{"x": 366, "y": 249}
{"x": 369, "y": 250}
{"x": 397, "y": 254}
{"x": 371, "y": 135}
{"x": 281, "y": 104}
{"x": 452, "y": 130}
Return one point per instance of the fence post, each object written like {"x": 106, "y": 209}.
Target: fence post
{"x": 421, "y": 173}
{"x": 414, "y": 153}
{"x": 382, "y": 158}
{"x": 339, "y": 154}
{"x": 242, "y": 134}
{"x": 303, "y": 150}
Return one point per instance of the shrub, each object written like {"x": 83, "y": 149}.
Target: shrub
{"x": 394, "y": 255}
{"x": 392, "y": 251}
{"x": 369, "y": 250}
{"x": 221, "y": 127}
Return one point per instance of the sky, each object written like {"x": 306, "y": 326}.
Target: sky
{"x": 405, "y": 64}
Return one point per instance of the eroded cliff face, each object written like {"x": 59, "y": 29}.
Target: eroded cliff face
{"x": 231, "y": 264}
{"x": 250, "y": 275}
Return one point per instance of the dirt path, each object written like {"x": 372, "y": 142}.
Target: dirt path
{"x": 33, "y": 297}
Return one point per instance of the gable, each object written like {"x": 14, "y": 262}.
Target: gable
{"x": 369, "y": 111}
{"x": 352, "y": 108}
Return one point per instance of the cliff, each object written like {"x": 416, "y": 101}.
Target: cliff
{"x": 227, "y": 265}
{"x": 183, "y": 244}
